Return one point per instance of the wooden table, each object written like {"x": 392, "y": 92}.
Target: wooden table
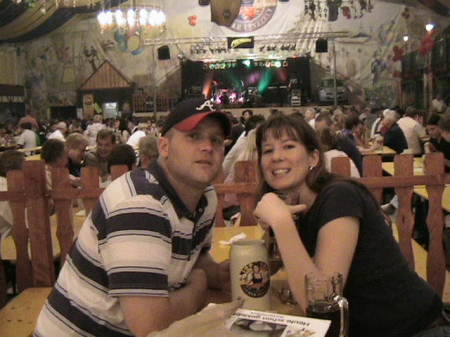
{"x": 421, "y": 190}
{"x": 384, "y": 151}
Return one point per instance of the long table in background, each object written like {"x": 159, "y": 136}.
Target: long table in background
{"x": 384, "y": 151}
{"x": 421, "y": 190}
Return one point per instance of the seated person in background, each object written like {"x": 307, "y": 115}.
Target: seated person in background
{"x": 251, "y": 123}
{"x": 355, "y": 131}
{"x": 55, "y": 156}
{"x": 393, "y": 136}
{"x": 122, "y": 154}
{"x": 323, "y": 120}
{"x": 329, "y": 141}
{"x": 9, "y": 160}
{"x": 338, "y": 227}
{"x": 140, "y": 131}
{"x": 411, "y": 125}
{"x": 76, "y": 145}
{"x": 93, "y": 129}
{"x": 59, "y": 132}
{"x": 106, "y": 141}
{"x": 148, "y": 151}
{"x": 138, "y": 265}
{"x": 438, "y": 128}
{"x": 27, "y": 138}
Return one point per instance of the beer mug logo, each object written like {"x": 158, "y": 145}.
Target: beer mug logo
{"x": 255, "y": 279}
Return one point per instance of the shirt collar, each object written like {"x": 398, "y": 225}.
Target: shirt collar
{"x": 180, "y": 207}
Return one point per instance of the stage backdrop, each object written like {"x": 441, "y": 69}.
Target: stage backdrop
{"x": 368, "y": 51}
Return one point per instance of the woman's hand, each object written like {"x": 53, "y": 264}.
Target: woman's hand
{"x": 273, "y": 211}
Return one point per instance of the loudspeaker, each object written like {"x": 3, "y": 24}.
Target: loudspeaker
{"x": 321, "y": 46}
{"x": 164, "y": 53}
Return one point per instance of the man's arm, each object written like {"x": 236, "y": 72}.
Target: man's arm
{"x": 144, "y": 315}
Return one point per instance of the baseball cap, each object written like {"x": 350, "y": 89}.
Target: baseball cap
{"x": 187, "y": 114}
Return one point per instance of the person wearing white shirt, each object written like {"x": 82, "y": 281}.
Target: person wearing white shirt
{"x": 60, "y": 131}
{"x": 137, "y": 135}
{"x": 240, "y": 144}
{"x": 27, "y": 138}
{"x": 411, "y": 125}
{"x": 93, "y": 129}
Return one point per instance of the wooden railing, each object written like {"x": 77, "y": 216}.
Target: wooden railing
{"x": 30, "y": 199}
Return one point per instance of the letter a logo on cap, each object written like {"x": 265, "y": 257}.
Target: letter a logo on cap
{"x": 206, "y": 104}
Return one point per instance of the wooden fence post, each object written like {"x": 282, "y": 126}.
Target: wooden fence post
{"x": 39, "y": 223}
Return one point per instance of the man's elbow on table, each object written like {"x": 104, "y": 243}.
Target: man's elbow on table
{"x": 144, "y": 315}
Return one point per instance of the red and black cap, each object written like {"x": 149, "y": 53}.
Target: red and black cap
{"x": 187, "y": 114}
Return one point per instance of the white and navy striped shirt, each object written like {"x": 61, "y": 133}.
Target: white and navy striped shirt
{"x": 140, "y": 240}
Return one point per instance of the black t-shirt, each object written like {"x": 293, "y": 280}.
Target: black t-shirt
{"x": 385, "y": 297}
{"x": 395, "y": 139}
{"x": 441, "y": 145}
{"x": 346, "y": 145}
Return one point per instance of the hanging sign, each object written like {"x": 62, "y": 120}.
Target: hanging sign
{"x": 241, "y": 42}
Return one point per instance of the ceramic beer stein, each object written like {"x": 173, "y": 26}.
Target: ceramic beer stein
{"x": 250, "y": 274}
{"x": 325, "y": 301}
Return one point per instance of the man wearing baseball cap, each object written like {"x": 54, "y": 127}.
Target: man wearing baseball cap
{"x": 141, "y": 259}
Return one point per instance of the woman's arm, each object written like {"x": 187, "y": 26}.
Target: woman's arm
{"x": 334, "y": 251}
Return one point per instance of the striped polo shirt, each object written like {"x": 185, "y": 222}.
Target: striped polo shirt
{"x": 140, "y": 240}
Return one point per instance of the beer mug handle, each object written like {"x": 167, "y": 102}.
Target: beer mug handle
{"x": 343, "y": 307}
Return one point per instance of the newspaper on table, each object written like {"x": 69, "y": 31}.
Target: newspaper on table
{"x": 266, "y": 324}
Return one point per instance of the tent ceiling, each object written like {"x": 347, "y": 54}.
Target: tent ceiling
{"x": 19, "y": 23}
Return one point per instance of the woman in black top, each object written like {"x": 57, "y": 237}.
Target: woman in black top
{"x": 338, "y": 227}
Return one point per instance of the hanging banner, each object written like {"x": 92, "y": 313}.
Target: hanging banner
{"x": 241, "y": 42}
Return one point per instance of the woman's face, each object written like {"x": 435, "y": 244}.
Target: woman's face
{"x": 285, "y": 162}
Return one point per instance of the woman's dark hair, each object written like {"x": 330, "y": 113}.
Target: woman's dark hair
{"x": 52, "y": 150}
{"x": 301, "y": 131}
{"x": 122, "y": 154}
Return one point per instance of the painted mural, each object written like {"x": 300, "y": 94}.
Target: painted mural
{"x": 368, "y": 47}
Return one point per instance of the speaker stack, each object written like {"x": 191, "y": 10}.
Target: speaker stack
{"x": 321, "y": 46}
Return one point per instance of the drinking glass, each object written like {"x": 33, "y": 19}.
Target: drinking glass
{"x": 325, "y": 301}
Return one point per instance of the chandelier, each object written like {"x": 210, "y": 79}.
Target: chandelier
{"x": 142, "y": 16}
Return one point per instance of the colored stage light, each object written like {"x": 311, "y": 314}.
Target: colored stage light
{"x": 247, "y": 63}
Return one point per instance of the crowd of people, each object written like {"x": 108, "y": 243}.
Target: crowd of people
{"x": 141, "y": 259}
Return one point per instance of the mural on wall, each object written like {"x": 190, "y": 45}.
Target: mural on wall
{"x": 368, "y": 55}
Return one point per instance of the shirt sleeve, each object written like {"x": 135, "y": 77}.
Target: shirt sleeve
{"x": 342, "y": 199}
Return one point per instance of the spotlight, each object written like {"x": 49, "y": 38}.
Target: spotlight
{"x": 247, "y": 63}
{"x": 405, "y": 38}
{"x": 429, "y": 27}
